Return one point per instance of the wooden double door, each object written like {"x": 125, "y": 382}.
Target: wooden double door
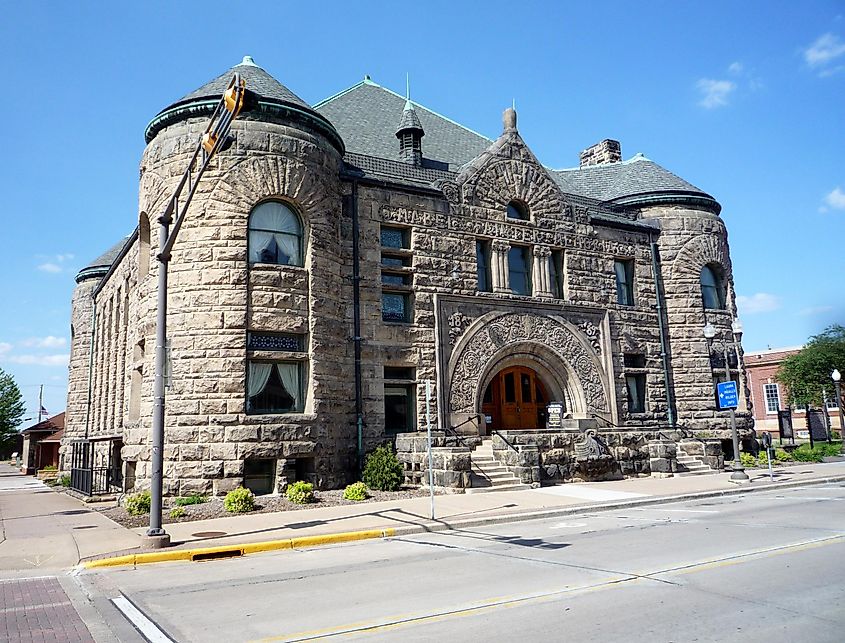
{"x": 516, "y": 399}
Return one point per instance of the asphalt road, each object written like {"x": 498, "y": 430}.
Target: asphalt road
{"x": 761, "y": 567}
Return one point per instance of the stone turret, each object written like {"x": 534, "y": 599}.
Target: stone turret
{"x": 227, "y": 300}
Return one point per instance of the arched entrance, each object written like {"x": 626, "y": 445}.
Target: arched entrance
{"x": 515, "y": 398}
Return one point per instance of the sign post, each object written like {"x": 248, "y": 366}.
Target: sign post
{"x": 729, "y": 399}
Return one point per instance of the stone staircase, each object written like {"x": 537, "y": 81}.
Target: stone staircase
{"x": 489, "y": 475}
{"x": 689, "y": 465}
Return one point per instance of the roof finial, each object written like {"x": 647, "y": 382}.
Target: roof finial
{"x": 248, "y": 61}
{"x": 407, "y": 86}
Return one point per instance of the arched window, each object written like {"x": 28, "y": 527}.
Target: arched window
{"x": 275, "y": 235}
{"x": 712, "y": 288}
{"x": 517, "y": 210}
{"x": 143, "y": 246}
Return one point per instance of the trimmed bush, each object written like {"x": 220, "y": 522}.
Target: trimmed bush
{"x": 138, "y": 503}
{"x": 300, "y": 492}
{"x": 239, "y": 501}
{"x": 193, "y": 499}
{"x": 64, "y": 480}
{"x": 356, "y": 491}
{"x": 782, "y": 455}
{"x": 177, "y": 512}
{"x": 763, "y": 458}
{"x": 747, "y": 460}
{"x": 382, "y": 470}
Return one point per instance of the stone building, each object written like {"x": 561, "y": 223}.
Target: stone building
{"x": 337, "y": 256}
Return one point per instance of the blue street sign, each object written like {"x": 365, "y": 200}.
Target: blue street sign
{"x": 728, "y": 398}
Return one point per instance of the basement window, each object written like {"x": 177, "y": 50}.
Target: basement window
{"x": 260, "y": 476}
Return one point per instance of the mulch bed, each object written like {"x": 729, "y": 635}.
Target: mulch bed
{"x": 263, "y": 504}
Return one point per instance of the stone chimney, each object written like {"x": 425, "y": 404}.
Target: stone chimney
{"x": 606, "y": 151}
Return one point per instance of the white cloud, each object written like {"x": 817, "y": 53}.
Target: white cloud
{"x": 735, "y": 68}
{"x": 53, "y": 264}
{"x": 5, "y": 347}
{"x": 826, "y": 48}
{"x": 714, "y": 93}
{"x": 49, "y": 267}
{"x": 814, "y": 310}
{"x": 45, "y": 342}
{"x": 760, "y": 302}
{"x": 834, "y": 199}
{"x": 39, "y": 360}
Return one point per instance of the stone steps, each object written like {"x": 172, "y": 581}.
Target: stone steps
{"x": 488, "y": 475}
{"x": 691, "y": 466}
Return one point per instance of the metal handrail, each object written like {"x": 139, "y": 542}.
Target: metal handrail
{"x": 505, "y": 440}
{"x": 609, "y": 423}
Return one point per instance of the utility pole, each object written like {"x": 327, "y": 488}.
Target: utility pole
{"x": 212, "y": 139}
{"x": 40, "y": 402}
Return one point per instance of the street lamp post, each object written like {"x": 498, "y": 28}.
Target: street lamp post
{"x": 738, "y": 474}
{"x": 836, "y": 376}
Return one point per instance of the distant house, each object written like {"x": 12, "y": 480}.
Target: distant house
{"x": 41, "y": 444}
{"x": 770, "y": 396}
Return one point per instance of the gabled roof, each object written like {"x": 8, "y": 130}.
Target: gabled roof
{"x": 51, "y": 424}
{"x": 366, "y": 115}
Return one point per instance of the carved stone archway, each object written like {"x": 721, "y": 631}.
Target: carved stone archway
{"x": 493, "y": 337}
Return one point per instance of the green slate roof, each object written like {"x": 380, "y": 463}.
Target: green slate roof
{"x": 101, "y": 264}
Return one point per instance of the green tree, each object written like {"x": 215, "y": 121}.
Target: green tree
{"x": 807, "y": 373}
{"x": 11, "y": 410}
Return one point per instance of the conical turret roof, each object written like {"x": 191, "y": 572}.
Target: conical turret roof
{"x": 410, "y": 120}
{"x": 270, "y": 95}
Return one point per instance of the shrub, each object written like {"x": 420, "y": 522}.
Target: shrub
{"x": 805, "y": 454}
{"x": 50, "y": 467}
{"x": 239, "y": 501}
{"x": 300, "y": 492}
{"x": 356, "y": 491}
{"x": 177, "y": 512}
{"x": 830, "y": 449}
{"x": 782, "y": 455}
{"x": 139, "y": 503}
{"x": 64, "y": 480}
{"x": 763, "y": 458}
{"x": 193, "y": 499}
{"x": 382, "y": 470}
{"x": 747, "y": 460}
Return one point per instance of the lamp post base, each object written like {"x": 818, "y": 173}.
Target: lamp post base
{"x": 738, "y": 476}
{"x": 158, "y": 541}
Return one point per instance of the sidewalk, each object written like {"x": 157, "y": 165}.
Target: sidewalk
{"x": 460, "y": 510}
{"x": 44, "y": 529}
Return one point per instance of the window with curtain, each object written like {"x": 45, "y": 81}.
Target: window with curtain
{"x": 482, "y": 263}
{"x": 519, "y": 270}
{"x": 275, "y": 235}
{"x": 712, "y": 289}
{"x": 636, "y": 392}
{"x": 624, "y": 272}
{"x": 274, "y": 387}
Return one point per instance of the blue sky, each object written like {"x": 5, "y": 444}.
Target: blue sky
{"x": 743, "y": 99}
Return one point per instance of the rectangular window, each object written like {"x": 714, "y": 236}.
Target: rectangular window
{"x": 275, "y": 342}
{"x": 772, "y": 394}
{"x": 397, "y": 238}
{"x": 275, "y": 387}
{"x": 634, "y": 360}
{"x": 556, "y": 273}
{"x": 624, "y": 271}
{"x": 830, "y": 402}
{"x": 636, "y": 392}
{"x": 260, "y": 476}
{"x": 519, "y": 270}
{"x": 482, "y": 263}
{"x": 395, "y": 279}
{"x": 396, "y": 307}
{"x": 399, "y": 399}
{"x": 396, "y": 262}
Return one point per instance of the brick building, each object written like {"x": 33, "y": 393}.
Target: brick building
{"x": 770, "y": 396}
{"x": 337, "y": 256}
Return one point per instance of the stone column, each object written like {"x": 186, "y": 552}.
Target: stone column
{"x": 540, "y": 272}
{"x": 499, "y": 265}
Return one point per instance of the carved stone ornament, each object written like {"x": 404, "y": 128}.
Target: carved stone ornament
{"x": 511, "y": 328}
{"x": 450, "y": 190}
{"x": 591, "y": 331}
{"x": 589, "y": 447}
{"x": 458, "y": 323}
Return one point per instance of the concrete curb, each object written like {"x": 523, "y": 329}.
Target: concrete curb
{"x": 232, "y": 551}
